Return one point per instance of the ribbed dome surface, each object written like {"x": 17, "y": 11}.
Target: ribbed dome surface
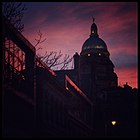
{"x": 94, "y": 42}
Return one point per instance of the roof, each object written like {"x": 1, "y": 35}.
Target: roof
{"x": 94, "y": 42}
{"x": 79, "y": 91}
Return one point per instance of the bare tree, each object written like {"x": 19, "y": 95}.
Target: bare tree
{"x": 14, "y": 12}
{"x": 53, "y": 58}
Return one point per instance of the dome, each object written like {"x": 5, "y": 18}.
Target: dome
{"x": 94, "y": 42}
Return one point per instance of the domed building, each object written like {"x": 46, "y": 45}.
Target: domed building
{"x": 94, "y": 44}
{"x": 93, "y": 70}
{"x": 96, "y": 70}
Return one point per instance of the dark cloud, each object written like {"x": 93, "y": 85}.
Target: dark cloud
{"x": 125, "y": 7}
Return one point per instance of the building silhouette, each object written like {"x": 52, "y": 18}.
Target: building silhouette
{"x": 94, "y": 71}
{"x": 82, "y": 102}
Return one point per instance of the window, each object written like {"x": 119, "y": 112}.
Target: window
{"x": 88, "y": 54}
{"x": 93, "y": 31}
{"x": 98, "y": 46}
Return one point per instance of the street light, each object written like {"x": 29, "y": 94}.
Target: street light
{"x": 113, "y": 123}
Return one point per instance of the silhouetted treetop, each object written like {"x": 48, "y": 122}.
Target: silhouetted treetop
{"x": 14, "y": 12}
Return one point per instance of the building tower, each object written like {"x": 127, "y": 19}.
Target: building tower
{"x": 96, "y": 70}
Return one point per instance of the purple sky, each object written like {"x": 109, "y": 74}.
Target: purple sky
{"x": 66, "y": 25}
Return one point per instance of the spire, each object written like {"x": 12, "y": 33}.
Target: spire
{"x": 94, "y": 30}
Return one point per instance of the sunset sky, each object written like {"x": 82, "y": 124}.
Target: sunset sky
{"x": 66, "y": 25}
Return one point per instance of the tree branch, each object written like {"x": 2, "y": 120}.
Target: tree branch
{"x": 14, "y": 12}
{"x": 52, "y": 58}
